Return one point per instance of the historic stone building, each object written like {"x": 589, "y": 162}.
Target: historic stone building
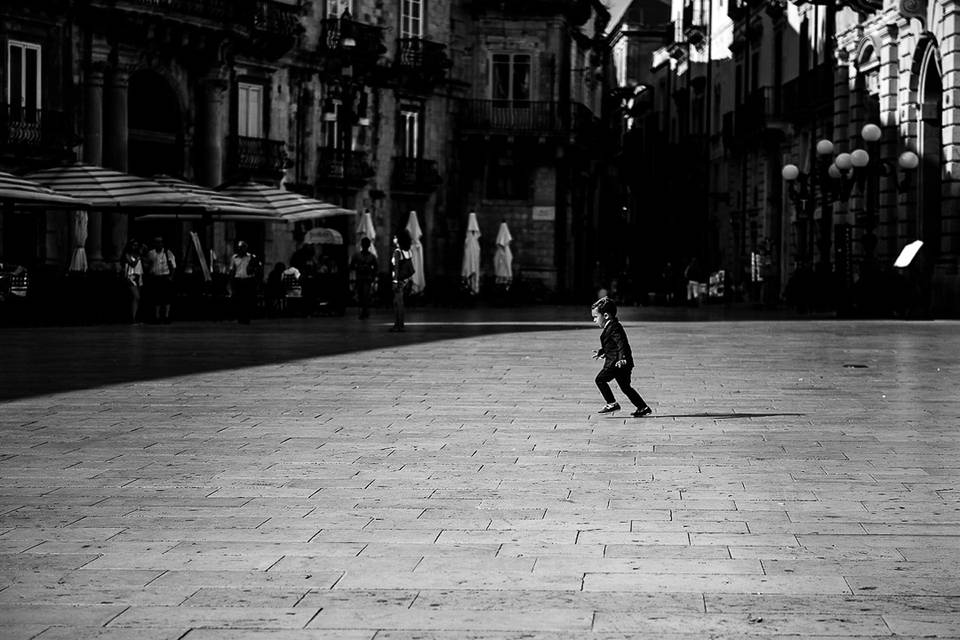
{"x": 753, "y": 87}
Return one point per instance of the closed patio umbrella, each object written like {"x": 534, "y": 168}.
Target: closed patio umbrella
{"x": 26, "y": 192}
{"x": 418, "y": 281}
{"x": 286, "y": 205}
{"x": 470, "y": 268}
{"x": 365, "y": 229}
{"x": 78, "y": 261}
{"x": 105, "y": 188}
{"x": 503, "y": 258}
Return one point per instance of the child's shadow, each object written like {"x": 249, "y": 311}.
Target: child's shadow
{"x": 721, "y": 416}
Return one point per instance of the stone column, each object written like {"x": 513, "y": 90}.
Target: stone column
{"x": 950, "y": 225}
{"x": 115, "y": 148}
{"x": 889, "y": 142}
{"x": 211, "y": 130}
{"x": 907, "y": 224}
{"x": 93, "y": 148}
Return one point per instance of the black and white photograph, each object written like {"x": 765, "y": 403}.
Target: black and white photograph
{"x": 479, "y": 319}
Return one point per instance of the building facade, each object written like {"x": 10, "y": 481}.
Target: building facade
{"x": 758, "y": 86}
{"x": 431, "y": 106}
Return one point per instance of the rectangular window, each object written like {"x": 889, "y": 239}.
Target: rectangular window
{"x": 23, "y": 77}
{"x": 250, "y": 110}
{"x": 330, "y": 128}
{"x": 410, "y": 133}
{"x": 510, "y": 76}
{"x": 411, "y": 18}
{"x": 335, "y": 8}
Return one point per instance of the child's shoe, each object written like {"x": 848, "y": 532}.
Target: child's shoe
{"x": 642, "y": 411}
{"x": 610, "y": 408}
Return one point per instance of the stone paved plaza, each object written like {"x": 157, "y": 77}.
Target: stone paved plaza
{"x": 323, "y": 478}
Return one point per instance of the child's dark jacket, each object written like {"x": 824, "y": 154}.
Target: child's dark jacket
{"x": 614, "y": 345}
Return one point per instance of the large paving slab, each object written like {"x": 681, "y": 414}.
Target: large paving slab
{"x": 324, "y": 478}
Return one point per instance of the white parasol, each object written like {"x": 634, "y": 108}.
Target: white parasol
{"x": 503, "y": 258}
{"x": 365, "y": 230}
{"x": 470, "y": 269}
{"x": 416, "y": 252}
{"x": 78, "y": 262}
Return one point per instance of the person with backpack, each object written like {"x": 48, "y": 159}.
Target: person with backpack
{"x": 402, "y": 272}
{"x": 364, "y": 266}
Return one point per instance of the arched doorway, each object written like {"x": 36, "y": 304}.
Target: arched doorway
{"x": 930, "y": 149}
{"x": 155, "y": 126}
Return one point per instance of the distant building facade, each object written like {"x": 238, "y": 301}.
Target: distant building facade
{"x": 430, "y": 106}
{"x": 754, "y": 86}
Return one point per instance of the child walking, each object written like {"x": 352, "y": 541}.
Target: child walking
{"x": 617, "y": 358}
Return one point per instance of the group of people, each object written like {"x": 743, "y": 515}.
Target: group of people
{"x": 365, "y": 268}
{"x": 149, "y": 272}
{"x": 148, "y": 275}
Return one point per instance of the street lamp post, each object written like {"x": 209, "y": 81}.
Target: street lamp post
{"x": 833, "y": 180}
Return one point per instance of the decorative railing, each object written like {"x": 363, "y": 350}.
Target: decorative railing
{"x": 342, "y": 165}
{"x": 216, "y": 10}
{"x": 424, "y": 56}
{"x": 276, "y": 18}
{"x": 256, "y": 155}
{"x": 761, "y": 109}
{"x": 523, "y": 116}
{"x": 28, "y": 127}
{"x": 415, "y": 174}
{"x": 345, "y": 36}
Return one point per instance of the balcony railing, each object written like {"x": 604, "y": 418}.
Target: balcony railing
{"x": 761, "y": 110}
{"x": 29, "y": 127}
{"x": 809, "y": 94}
{"x": 256, "y": 155}
{"x": 523, "y": 116}
{"x": 276, "y": 18}
{"x": 422, "y": 57}
{"x": 348, "y": 37}
{"x": 415, "y": 174}
{"x": 342, "y": 165}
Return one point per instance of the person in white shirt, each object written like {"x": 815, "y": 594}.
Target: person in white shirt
{"x": 132, "y": 274}
{"x": 160, "y": 267}
{"x": 244, "y": 276}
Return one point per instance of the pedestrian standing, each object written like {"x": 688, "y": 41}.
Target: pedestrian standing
{"x": 244, "y": 275}
{"x": 617, "y": 358}
{"x": 402, "y": 272}
{"x": 132, "y": 274}
{"x": 160, "y": 267}
{"x": 364, "y": 265}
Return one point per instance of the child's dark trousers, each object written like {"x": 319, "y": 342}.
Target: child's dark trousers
{"x": 622, "y": 376}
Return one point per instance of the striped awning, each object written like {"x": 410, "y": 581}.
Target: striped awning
{"x": 26, "y": 192}
{"x": 207, "y": 203}
{"x": 286, "y": 205}
{"x": 107, "y": 188}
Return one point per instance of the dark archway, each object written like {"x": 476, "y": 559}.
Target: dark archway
{"x": 930, "y": 147}
{"x": 155, "y": 126}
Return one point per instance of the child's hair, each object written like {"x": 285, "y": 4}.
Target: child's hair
{"x": 605, "y": 305}
{"x": 403, "y": 239}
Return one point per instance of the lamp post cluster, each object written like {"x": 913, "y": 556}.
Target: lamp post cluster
{"x": 832, "y": 179}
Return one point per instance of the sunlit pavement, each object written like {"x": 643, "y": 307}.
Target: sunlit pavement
{"x": 324, "y": 478}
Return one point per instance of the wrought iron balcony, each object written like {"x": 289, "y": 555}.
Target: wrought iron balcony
{"x": 342, "y": 166}
{"x": 256, "y": 156}
{"x": 276, "y": 18}
{"x": 415, "y": 174}
{"x": 762, "y": 110}
{"x": 525, "y": 117}
{"x": 422, "y": 59}
{"x": 351, "y": 39}
{"x": 34, "y": 129}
